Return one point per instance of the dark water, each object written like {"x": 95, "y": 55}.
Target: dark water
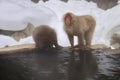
{"x": 60, "y": 65}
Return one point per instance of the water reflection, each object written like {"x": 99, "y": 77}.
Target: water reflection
{"x": 83, "y": 66}
{"x": 48, "y": 65}
{"x": 60, "y": 65}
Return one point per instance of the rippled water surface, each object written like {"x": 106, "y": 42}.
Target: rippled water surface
{"x": 60, "y": 65}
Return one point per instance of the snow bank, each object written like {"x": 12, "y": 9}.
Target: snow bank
{"x": 15, "y": 15}
{"x": 113, "y": 20}
{"x": 6, "y": 40}
{"x": 111, "y": 23}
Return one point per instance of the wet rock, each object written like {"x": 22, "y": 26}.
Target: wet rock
{"x": 17, "y": 35}
{"x": 105, "y": 4}
{"x": 65, "y": 0}
{"x": 115, "y": 40}
{"x": 99, "y": 46}
{"x": 36, "y": 1}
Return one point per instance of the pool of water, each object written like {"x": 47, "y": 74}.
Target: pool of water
{"x": 60, "y": 65}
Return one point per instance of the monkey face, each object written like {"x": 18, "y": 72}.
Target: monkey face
{"x": 68, "y": 19}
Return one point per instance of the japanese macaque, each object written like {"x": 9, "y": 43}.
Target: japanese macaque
{"x": 80, "y": 26}
{"x": 45, "y": 37}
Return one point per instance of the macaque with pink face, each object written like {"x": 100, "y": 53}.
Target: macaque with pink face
{"x": 80, "y": 26}
{"x": 45, "y": 37}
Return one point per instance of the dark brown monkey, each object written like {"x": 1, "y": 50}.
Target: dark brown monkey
{"x": 45, "y": 37}
{"x": 80, "y": 26}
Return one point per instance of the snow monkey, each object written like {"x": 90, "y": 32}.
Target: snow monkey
{"x": 45, "y": 37}
{"x": 80, "y": 26}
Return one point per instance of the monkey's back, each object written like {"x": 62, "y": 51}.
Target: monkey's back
{"x": 88, "y": 21}
{"x": 44, "y": 36}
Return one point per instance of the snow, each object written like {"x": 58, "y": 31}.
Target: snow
{"x": 16, "y": 14}
{"x": 111, "y": 21}
{"x": 6, "y": 40}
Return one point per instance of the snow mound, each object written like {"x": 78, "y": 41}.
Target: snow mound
{"x": 111, "y": 23}
{"x": 7, "y": 41}
{"x": 15, "y": 16}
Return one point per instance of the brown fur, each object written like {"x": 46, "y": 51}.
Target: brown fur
{"x": 80, "y": 26}
{"x": 45, "y": 37}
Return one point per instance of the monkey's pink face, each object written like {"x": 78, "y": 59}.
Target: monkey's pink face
{"x": 67, "y": 19}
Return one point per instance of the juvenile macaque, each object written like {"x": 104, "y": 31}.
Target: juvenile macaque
{"x": 80, "y": 26}
{"x": 45, "y": 37}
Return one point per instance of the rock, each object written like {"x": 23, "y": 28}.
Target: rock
{"x": 17, "y": 35}
{"x": 115, "y": 46}
{"x": 32, "y": 46}
{"x": 36, "y": 1}
{"x": 65, "y": 0}
{"x": 17, "y": 48}
{"x": 105, "y": 4}
{"x": 99, "y": 46}
{"x": 115, "y": 40}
